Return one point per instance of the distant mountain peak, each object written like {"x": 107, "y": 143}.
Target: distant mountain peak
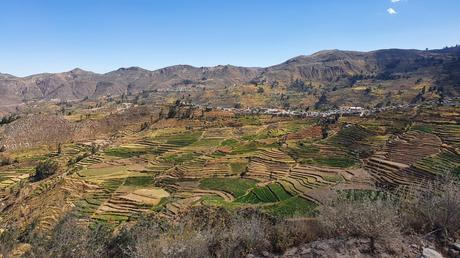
{"x": 326, "y": 52}
{"x": 132, "y": 68}
{"x": 327, "y": 69}
{"x": 78, "y": 71}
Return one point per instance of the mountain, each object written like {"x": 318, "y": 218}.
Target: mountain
{"x": 326, "y": 72}
{"x": 334, "y": 67}
{"x": 77, "y": 84}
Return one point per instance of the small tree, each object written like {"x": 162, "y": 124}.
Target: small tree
{"x": 94, "y": 148}
{"x": 144, "y": 126}
{"x": 4, "y": 160}
{"x": 322, "y": 102}
{"x": 59, "y": 149}
{"x": 45, "y": 169}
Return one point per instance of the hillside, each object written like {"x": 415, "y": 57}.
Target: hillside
{"x": 202, "y": 162}
{"x": 78, "y": 84}
{"x": 120, "y": 165}
{"x": 409, "y": 75}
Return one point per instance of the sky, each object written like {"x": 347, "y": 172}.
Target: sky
{"x": 100, "y": 35}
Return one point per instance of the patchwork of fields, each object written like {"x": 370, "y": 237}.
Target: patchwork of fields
{"x": 281, "y": 165}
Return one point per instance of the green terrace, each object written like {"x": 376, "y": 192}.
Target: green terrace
{"x": 272, "y": 198}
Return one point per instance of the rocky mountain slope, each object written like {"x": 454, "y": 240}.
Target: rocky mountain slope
{"x": 343, "y": 68}
{"x": 327, "y": 71}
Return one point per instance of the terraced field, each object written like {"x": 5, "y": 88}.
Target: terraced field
{"x": 284, "y": 166}
{"x": 413, "y": 157}
{"x": 11, "y": 177}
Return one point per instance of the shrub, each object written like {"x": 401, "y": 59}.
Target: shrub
{"x": 208, "y": 232}
{"x": 9, "y": 119}
{"x": 45, "y": 169}
{"x": 434, "y": 209}
{"x": 94, "y": 148}
{"x": 78, "y": 158}
{"x": 144, "y": 126}
{"x": 289, "y": 233}
{"x": 203, "y": 232}
{"x": 71, "y": 239}
{"x": 376, "y": 220}
{"x": 5, "y": 160}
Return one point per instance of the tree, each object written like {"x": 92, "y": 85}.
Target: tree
{"x": 144, "y": 126}
{"x": 45, "y": 169}
{"x": 4, "y": 160}
{"x": 59, "y": 149}
{"x": 299, "y": 85}
{"x": 94, "y": 148}
{"x": 174, "y": 109}
{"x": 322, "y": 101}
{"x": 8, "y": 119}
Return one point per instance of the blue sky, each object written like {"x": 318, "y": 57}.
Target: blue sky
{"x": 97, "y": 35}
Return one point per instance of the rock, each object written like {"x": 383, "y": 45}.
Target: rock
{"x": 453, "y": 253}
{"x": 21, "y": 249}
{"x": 321, "y": 246}
{"x": 305, "y": 251}
{"x": 430, "y": 253}
{"x": 455, "y": 246}
{"x": 291, "y": 252}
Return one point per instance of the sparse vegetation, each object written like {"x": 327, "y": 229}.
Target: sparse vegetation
{"x": 435, "y": 209}
{"x": 202, "y": 232}
{"x": 376, "y": 220}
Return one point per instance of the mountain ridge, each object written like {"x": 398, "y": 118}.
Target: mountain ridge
{"x": 327, "y": 70}
{"x": 318, "y": 53}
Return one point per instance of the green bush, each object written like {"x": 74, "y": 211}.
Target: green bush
{"x": 45, "y": 169}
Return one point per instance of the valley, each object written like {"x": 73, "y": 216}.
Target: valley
{"x": 258, "y": 148}
{"x": 282, "y": 164}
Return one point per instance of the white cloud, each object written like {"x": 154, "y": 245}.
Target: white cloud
{"x": 395, "y": 1}
{"x": 391, "y": 11}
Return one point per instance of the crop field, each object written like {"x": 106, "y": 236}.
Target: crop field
{"x": 285, "y": 166}
{"x": 235, "y": 186}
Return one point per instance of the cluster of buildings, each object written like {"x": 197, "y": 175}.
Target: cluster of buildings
{"x": 352, "y": 110}
{"x": 284, "y": 112}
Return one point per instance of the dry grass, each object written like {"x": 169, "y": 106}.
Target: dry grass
{"x": 201, "y": 232}
{"x": 434, "y": 210}
{"x": 377, "y": 220}
{"x": 206, "y": 232}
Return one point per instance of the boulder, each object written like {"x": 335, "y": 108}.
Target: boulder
{"x": 430, "y": 253}
{"x": 455, "y": 246}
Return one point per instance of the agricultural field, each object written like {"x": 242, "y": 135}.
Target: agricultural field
{"x": 284, "y": 166}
